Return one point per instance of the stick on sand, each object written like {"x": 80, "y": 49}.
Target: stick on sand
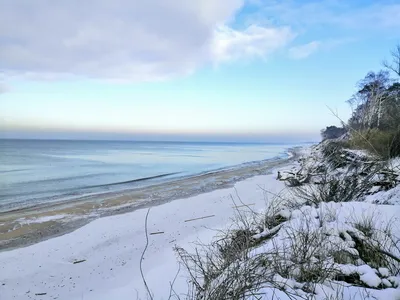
{"x": 79, "y": 261}
{"x": 243, "y": 205}
{"x": 200, "y": 218}
{"x": 158, "y": 232}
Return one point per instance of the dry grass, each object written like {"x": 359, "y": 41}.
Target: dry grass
{"x": 384, "y": 144}
{"x": 268, "y": 250}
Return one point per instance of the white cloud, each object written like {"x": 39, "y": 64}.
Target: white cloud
{"x": 303, "y": 51}
{"x": 126, "y": 39}
{"x": 255, "y": 41}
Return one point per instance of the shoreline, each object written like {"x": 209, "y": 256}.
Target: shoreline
{"x": 27, "y": 226}
{"x": 105, "y": 195}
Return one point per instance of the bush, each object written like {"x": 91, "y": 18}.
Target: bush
{"x": 332, "y": 132}
{"x": 333, "y": 153}
{"x": 332, "y": 189}
{"x": 385, "y": 144}
{"x": 377, "y": 245}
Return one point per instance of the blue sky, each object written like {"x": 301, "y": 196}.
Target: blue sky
{"x": 202, "y": 70}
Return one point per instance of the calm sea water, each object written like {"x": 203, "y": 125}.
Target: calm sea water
{"x": 40, "y": 171}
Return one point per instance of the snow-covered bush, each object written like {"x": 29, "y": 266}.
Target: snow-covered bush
{"x": 310, "y": 241}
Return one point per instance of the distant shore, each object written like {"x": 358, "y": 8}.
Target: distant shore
{"x": 28, "y": 226}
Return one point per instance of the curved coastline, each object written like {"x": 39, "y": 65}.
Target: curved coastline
{"x": 55, "y": 196}
{"x": 25, "y": 226}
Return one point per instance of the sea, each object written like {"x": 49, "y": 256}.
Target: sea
{"x": 34, "y": 172}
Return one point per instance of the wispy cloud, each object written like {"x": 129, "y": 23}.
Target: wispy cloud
{"x": 376, "y": 15}
{"x": 303, "y": 51}
{"x": 255, "y": 41}
{"x": 335, "y": 22}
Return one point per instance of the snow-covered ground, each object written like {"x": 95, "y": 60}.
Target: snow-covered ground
{"x": 112, "y": 246}
{"x": 333, "y": 235}
{"x": 325, "y": 225}
{"x": 101, "y": 260}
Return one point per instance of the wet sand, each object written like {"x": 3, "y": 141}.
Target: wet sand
{"x": 28, "y": 226}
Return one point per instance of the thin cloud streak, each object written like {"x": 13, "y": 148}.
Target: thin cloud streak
{"x": 303, "y": 51}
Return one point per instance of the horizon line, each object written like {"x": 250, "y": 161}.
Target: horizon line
{"x": 149, "y": 141}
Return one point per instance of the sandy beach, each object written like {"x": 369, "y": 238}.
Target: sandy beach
{"x": 108, "y": 249}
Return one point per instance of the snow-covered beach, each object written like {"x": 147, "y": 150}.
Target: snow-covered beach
{"x": 101, "y": 260}
{"x": 110, "y": 248}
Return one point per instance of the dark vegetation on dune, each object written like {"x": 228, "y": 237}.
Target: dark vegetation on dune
{"x": 375, "y": 121}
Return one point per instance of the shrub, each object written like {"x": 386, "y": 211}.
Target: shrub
{"x": 377, "y": 245}
{"x": 333, "y": 153}
{"x": 332, "y": 132}
{"x": 385, "y": 144}
{"x": 331, "y": 189}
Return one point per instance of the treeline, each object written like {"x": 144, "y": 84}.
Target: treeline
{"x": 375, "y": 121}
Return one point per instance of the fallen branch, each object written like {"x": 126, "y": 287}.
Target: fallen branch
{"x": 199, "y": 218}
{"x": 79, "y": 261}
{"x": 238, "y": 206}
{"x": 158, "y": 232}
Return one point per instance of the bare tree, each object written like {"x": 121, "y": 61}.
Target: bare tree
{"x": 394, "y": 65}
{"x": 368, "y": 101}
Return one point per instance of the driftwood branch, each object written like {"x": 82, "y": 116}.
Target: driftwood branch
{"x": 189, "y": 220}
{"x": 158, "y": 232}
{"x": 79, "y": 261}
{"x": 244, "y": 205}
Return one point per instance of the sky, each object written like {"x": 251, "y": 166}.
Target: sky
{"x": 226, "y": 70}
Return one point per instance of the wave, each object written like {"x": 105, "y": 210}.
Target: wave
{"x": 134, "y": 180}
{"x": 11, "y": 171}
{"x": 62, "y": 179}
{"x": 78, "y": 191}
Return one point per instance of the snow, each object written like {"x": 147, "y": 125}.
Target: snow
{"x": 391, "y": 196}
{"x": 394, "y": 280}
{"x": 361, "y": 153}
{"x": 369, "y": 277}
{"x": 386, "y": 282}
{"x": 267, "y": 232}
{"x": 384, "y": 272}
{"x": 285, "y": 213}
{"x": 111, "y": 248}
{"x": 43, "y": 219}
